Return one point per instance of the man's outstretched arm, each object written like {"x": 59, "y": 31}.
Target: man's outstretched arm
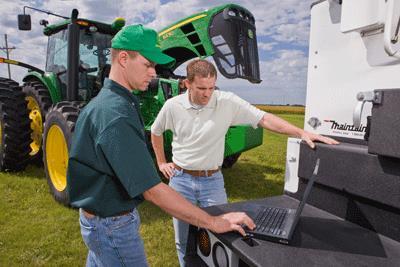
{"x": 174, "y": 204}
{"x": 276, "y": 124}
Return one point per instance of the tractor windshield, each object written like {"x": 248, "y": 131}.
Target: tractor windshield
{"x": 94, "y": 50}
{"x": 233, "y": 36}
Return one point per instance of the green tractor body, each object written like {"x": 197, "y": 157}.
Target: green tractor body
{"x": 78, "y": 61}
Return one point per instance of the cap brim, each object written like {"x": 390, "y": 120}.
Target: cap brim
{"x": 158, "y": 57}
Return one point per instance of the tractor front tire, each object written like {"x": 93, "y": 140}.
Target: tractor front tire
{"x": 57, "y": 137}
{"x": 38, "y": 103}
{"x": 14, "y": 127}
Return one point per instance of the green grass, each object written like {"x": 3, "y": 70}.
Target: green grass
{"x": 282, "y": 109}
{"x": 36, "y": 231}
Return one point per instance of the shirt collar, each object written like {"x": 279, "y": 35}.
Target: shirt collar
{"x": 120, "y": 90}
{"x": 187, "y": 105}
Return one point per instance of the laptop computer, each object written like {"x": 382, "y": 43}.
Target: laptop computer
{"x": 278, "y": 224}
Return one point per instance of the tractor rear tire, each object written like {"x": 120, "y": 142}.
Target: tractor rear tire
{"x": 57, "y": 137}
{"x": 39, "y": 102}
{"x": 14, "y": 127}
{"x": 229, "y": 161}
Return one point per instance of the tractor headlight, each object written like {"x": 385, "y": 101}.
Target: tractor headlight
{"x": 231, "y": 13}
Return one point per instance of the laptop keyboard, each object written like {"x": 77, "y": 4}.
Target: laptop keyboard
{"x": 270, "y": 220}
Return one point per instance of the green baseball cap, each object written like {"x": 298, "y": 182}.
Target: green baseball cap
{"x": 143, "y": 40}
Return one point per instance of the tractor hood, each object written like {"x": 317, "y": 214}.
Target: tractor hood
{"x": 227, "y": 33}
{"x": 233, "y": 36}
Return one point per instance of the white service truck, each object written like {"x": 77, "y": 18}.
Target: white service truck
{"x": 354, "y": 60}
{"x": 353, "y": 95}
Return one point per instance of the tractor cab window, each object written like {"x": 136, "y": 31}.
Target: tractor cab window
{"x": 57, "y": 51}
{"x": 94, "y": 50}
{"x": 95, "y": 59}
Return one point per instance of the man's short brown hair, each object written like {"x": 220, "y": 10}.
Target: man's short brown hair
{"x": 200, "y": 68}
{"x": 115, "y": 52}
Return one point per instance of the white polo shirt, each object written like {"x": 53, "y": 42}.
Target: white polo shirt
{"x": 199, "y": 135}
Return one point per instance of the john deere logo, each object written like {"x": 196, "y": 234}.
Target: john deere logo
{"x": 250, "y": 34}
{"x": 166, "y": 35}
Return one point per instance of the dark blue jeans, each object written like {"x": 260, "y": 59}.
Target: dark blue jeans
{"x": 113, "y": 241}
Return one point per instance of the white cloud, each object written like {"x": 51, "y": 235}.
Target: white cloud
{"x": 273, "y": 18}
{"x": 267, "y": 46}
{"x": 293, "y": 33}
{"x": 287, "y": 71}
{"x": 284, "y": 80}
{"x": 174, "y": 11}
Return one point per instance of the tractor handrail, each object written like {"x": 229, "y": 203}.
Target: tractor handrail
{"x": 45, "y": 11}
{"x": 21, "y": 64}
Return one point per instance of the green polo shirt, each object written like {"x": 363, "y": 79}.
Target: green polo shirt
{"x": 109, "y": 164}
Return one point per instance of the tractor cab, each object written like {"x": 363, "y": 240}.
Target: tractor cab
{"x": 89, "y": 54}
{"x": 78, "y": 55}
{"x": 94, "y": 60}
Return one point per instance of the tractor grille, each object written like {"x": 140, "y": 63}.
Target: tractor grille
{"x": 233, "y": 36}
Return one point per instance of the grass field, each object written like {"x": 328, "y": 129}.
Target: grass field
{"x": 282, "y": 109}
{"x": 36, "y": 231}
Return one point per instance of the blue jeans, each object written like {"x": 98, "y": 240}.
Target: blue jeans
{"x": 113, "y": 241}
{"x": 201, "y": 191}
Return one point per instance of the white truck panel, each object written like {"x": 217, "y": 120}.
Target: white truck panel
{"x": 341, "y": 65}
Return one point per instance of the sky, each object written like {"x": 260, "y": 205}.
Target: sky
{"x": 282, "y": 31}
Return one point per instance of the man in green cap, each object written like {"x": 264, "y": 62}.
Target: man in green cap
{"x": 110, "y": 169}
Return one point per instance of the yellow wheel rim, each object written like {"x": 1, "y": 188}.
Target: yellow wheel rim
{"x": 36, "y": 125}
{"x": 57, "y": 157}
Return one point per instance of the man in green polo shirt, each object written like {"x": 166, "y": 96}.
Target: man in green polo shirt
{"x": 110, "y": 170}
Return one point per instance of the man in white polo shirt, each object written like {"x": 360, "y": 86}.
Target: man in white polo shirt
{"x": 199, "y": 120}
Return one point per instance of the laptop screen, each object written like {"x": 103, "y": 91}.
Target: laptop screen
{"x": 306, "y": 193}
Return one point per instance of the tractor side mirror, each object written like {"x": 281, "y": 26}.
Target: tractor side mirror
{"x": 24, "y": 22}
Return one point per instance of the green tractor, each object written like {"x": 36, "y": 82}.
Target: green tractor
{"x": 37, "y": 119}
